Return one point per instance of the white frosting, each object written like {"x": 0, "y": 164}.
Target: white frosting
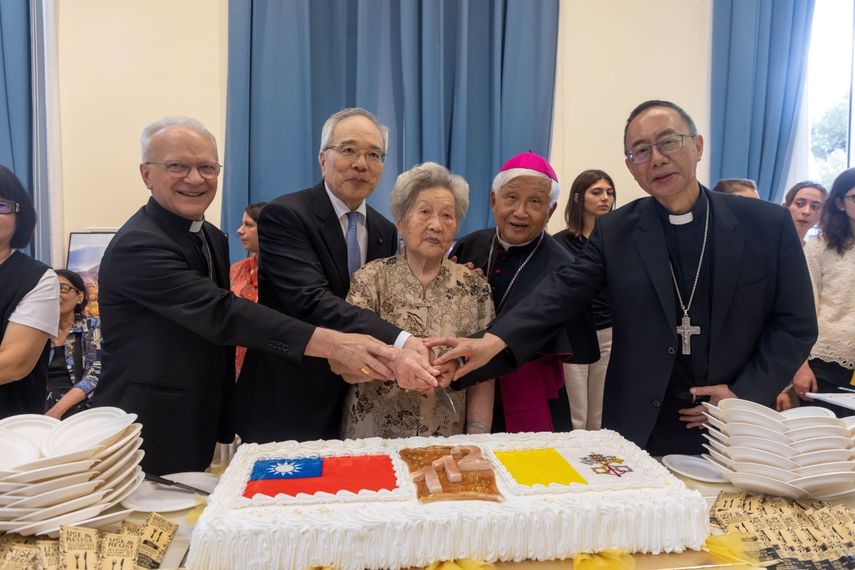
{"x": 647, "y": 510}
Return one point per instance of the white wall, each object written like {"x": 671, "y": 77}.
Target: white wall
{"x": 612, "y": 56}
{"x": 121, "y": 66}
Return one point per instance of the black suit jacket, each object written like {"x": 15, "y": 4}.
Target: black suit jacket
{"x": 302, "y": 272}
{"x": 763, "y": 321}
{"x": 169, "y": 334}
{"x": 577, "y": 338}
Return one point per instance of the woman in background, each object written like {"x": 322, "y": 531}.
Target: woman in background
{"x": 29, "y": 312}
{"x": 831, "y": 261}
{"x": 243, "y": 274}
{"x": 591, "y": 196}
{"x": 425, "y": 294}
{"x": 75, "y": 361}
{"x": 804, "y": 201}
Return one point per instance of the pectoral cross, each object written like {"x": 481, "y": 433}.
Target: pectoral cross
{"x": 686, "y": 330}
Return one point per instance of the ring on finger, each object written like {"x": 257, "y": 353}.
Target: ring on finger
{"x": 365, "y": 370}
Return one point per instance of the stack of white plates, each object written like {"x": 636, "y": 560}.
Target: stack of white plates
{"x": 805, "y": 452}
{"x": 56, "y": 473}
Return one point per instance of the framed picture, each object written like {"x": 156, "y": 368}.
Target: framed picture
{"x": 85, "y": 250}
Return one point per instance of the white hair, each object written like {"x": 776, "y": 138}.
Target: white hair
{"x": 506, "y": 176}
{"x": 424, "y": 176}
{"x": 336, "y": 118}
{"x": 168, "y": 123}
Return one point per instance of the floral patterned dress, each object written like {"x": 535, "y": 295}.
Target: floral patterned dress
{"x": 457, "y": 302}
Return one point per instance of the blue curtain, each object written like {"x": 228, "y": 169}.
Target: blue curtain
{"x": 466, "y": 83}
{"x": 15, "y": 102}
{"x": 759, "y": 63}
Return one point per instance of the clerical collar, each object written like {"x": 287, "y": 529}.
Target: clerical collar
{"x": 195, "y": 227}
{"x": 696, "y": 214}
{"x": 171, "y": 220}
{"x": 507, "y": 246}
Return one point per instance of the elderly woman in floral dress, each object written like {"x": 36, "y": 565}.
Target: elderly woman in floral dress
{"x": 424, "y": 293}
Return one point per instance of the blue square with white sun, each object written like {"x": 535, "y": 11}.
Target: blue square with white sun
{"x": 300, "y": 468}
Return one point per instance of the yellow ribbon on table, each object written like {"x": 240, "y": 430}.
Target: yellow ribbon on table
{"x": 461, "y": 564}
{"x": 605, "y": 560}
{"x": 733, "y": 548}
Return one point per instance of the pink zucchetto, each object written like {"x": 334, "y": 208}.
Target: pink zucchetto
{"x": 528, "y": 164}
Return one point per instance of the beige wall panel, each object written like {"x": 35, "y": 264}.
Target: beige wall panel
{"x": 122, "y": 65}
{"x": 613, "y": 55}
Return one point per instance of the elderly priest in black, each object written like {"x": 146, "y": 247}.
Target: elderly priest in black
{"x": 515, "y": 256}
{"x": 169, "y": 321}
{"x": 710, "y": 294}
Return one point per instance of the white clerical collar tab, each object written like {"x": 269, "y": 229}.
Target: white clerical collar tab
{"x": 680, "y": 219}
{"x": 196, "y": 226}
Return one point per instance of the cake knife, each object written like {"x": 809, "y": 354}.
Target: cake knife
{"x": 170, "y": 483}
{"x": 444, "y": 398}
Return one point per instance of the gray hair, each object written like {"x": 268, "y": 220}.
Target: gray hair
{"x": 506, "y": 176}
{"x": 168, "y": 123}
{"x": 336, "y": 118}
{"x": 424, "y": 176}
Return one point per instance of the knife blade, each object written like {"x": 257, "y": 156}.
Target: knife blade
{"x": 444, "y": 399}
{"x": 170, "y": 483}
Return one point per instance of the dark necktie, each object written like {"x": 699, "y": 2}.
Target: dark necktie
{"x": 202, "y": 243}
{"x": 354, "y": 257}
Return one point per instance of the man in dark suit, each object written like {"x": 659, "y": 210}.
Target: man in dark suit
{"x": 710, "y": 294}
{"x": 309, "y": 244}
{"x": 169, "y": 322}
{"x": 515, "y": 256}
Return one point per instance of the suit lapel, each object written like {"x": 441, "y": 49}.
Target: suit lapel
{"x": 728, "y": 246}
{"x": 650, "y": 242}
{"x": 330, "y": 231}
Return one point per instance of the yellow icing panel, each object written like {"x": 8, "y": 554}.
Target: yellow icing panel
{"x": 539, "y": 466}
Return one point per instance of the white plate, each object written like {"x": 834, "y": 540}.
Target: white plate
{"x": 52, "y": 525}
{"x": 764, "y": 471}
{"x": 752, "y": 417}
{"x": 57, "y": 496}
{"x": 760, "y": 456}
{"x": 737, "y": 429}
{"x": 131, "y": 433}
{"x": 823, "y": 456}
{"x": 115, "y": 472}
{"x": 822, "y": 443}
{"x": 713, "y": 421}
{"x": 846, "y": 400}
{"x": 121, "y": 494}
{"x": 849, "y": 421}
{"x": 820, "y": 468}
{"x": 762, "y": 444}
{"x": 96, "y": 432}
{"x": 837, "y": 496}
{"x": 34, "y": 427}
{"x": 102, "y": 521}
{"x": 825, "y": 484}
{"x": 714, "y": 411}
{"x": 811, "y": 421}
{"x": 717, "y": 462}
{"x": 33, "y": 489}
{"x": 127, "y": 471}
{"x": 804, "y": 411}
{"x": 118, "y": 456}
{"x": 51, "y": 471}
{"x": 759, "y": 484}
{"x": 13, "y": 513}
{"x": 151, "y": 497}
{"x": 811, "y": 432}
{"x": 694, "y": 467}
{"x": 8, "y": 487}
{"x": 15, "y": 450}
{"x": 119, "y": 486}
{"x": 720, "y": 457}
{"x": 63, "y": 507}
{"x": 732, "y": 404}
{"x": 719, "y": 435}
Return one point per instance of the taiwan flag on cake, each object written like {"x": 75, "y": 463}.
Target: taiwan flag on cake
{"x": 312, "y": 475}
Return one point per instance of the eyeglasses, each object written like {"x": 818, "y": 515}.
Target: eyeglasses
{"x": 372, "y": 155}
{"x": 65, "y": 288}
{"x": 9, "y": 207}
{"x": 850, "y": 197}
{"x": 207, "y": 170}
{"x": 667, "y": 146}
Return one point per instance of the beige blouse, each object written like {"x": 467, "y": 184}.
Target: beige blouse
{"x": 833, "y": 279}
{"x": 457, "y": 302}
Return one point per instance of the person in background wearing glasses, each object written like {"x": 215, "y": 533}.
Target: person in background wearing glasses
{"x": 831, "y": 261}
{"x": 29, "y": 312}
{"x": 310, "y": 243}
{"x": 804, "y": 201}
{"x": 710, "y": 294}
{"x": 74, "y": 368}
{"x": 169, "y": 321}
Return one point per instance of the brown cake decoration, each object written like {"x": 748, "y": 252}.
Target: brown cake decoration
{"x": 445, "y": 473}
